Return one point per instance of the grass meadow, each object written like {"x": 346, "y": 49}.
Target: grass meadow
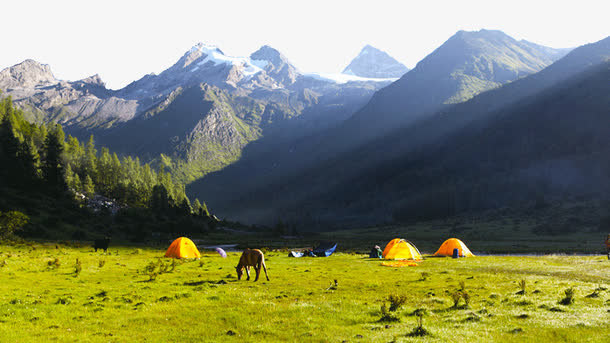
{"x": 132, "y": 294}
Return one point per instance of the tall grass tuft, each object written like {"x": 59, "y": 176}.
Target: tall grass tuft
{"x": 459, "y": 295}
{"x": 77, "y": 267}
{"x": 522, "y": 284}
{"x": 462, "y": 285}
{"x": 456, "y": 296}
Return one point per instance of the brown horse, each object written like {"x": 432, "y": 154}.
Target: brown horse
{"x": 251, "y": 257}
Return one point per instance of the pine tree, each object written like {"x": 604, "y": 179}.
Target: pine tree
{"x": 69, "y": 177}
{"x": 185, "y": 207}
{"x": 197, "y": 207}
{"x": 104, "y": 172}
{"x": 204, "y": 210}
{"x": 8, "y": 139}
{"x": 117, "y": 188}
{"x": 159, "y": 200}
{"x": 90, "y": 158}
{"x": 88, "y": 187}
{"x": 78, "y": 185}
{"x": 31, "y": 161}
{"x": 52, "y": 167}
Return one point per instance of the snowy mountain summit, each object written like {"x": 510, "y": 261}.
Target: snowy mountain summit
{"x": 374, "y": 63}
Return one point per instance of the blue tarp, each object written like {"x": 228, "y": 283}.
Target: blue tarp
{"x": 325, "y": 249}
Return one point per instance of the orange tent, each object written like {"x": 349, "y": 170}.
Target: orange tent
{"x": 447, "y": 247}
{"x": 399, "y": 248}
{"x": 182, "y": 248}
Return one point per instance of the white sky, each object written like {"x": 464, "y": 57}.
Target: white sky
{"x": 124, "y": 40}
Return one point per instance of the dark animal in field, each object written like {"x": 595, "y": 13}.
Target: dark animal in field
{"x": 101, "y": 244}
{"x": 254, "y": 258}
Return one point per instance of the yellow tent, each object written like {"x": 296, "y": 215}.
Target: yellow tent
{"x": 399, "y": 248}
{"x": 182, "y": 248}
{"x": 447, "y": 247}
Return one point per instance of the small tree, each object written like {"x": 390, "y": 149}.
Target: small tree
{"x": 11, "y": 221}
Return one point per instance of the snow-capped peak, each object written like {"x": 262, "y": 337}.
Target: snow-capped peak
{"x": 206, "y": 48}
{"x": 374, "y": 63}
{"x": 214, "y": 55}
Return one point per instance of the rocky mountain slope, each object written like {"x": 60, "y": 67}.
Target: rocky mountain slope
{"x": 85, "y": 103}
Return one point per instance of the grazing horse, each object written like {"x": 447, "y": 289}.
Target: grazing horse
{"x": 251, "y": 257}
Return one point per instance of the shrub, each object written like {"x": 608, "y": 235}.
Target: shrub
{"x": 387, "y": 316}
{"x": 54, "y": 264}
{"x": 595, "y": 293}
{"x": 569, "y": 297}
{"x": 12, "y": 221}
{"x": 150, "y": 270}
{"x": 388, "y": 313}
{"x": 155, "y": 269}
{"x": 396, "y": 301}
{"x": 419, "y": 331}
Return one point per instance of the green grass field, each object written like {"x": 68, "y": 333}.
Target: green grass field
{"x": 112, "y": 298}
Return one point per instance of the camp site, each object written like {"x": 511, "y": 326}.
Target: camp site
{"x": 305, "y": 171}
{"x": 333, "y": 292}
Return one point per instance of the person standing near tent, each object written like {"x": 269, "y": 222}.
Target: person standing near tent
{"x": 608, "y": 246}
{"x": 376, "y": 252}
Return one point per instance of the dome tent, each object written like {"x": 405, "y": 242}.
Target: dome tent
{"x": 399, "y": 248}
{"x": 446, "y": 249}
{"x": 182, "y": 248}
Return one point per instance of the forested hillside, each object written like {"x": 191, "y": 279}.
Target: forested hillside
{"x": 59, "y": 182}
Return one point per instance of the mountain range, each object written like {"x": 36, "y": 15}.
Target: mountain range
{"x": 475, "y": 125}
{"x": 199, "y": 113}
{"x": 317, "y": 163}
